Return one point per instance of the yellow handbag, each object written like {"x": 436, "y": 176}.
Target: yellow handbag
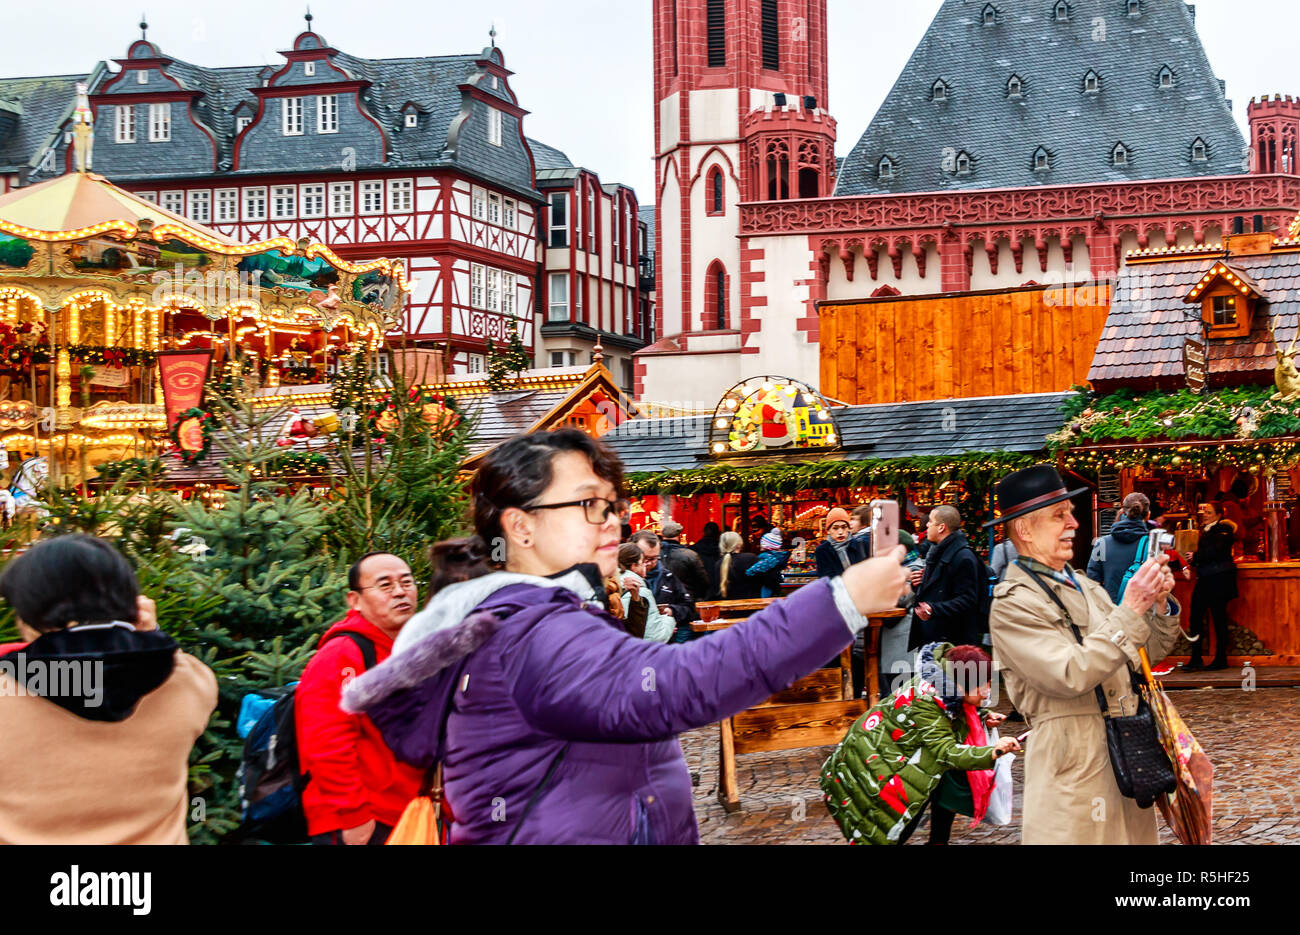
{"x": 421, "y": 822}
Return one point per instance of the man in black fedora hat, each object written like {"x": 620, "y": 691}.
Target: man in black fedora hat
{"x": 1051, "y": 673}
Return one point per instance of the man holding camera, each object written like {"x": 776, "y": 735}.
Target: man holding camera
{"x": 1051, "y": 674}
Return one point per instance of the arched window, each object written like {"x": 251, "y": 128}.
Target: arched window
{"x": 1199, "y": 151}
{"x": 885, "y": 169}
{"x": 1042, "y": 160}
{"x": 716, "y": 189}
{"x": 778, "y": 170}
{"x": 1091, "y": 82}
{"x": 716, "y": 312}
{"x": 1119, "y": 155}
{"x": 1015, "y": 86}
{"x": 1165, "y": 79}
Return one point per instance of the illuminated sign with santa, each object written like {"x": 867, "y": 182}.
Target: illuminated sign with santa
{"x": 771, "y": 414}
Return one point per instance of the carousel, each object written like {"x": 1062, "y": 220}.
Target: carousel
{"x": 114, "y": 311}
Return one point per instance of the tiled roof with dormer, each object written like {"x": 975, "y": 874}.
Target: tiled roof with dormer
{"x": 974, "y": 48}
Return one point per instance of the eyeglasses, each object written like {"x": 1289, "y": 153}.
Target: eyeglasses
{"x": 598, "y": 509}
{"x": 388, "y": 586}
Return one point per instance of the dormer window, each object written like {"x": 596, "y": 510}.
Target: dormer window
{"x": 1166, "y": 77}
{"x": 1199, "y": 152}
{"x": 1091, "y": 83}
{"x": 1015, "y": 87}
{"x": 1119, "y": 155}
{"x": 1062, "y": 12}
{"x": 241, "y": 123}
{"x": 1042, "y": 160}
{"x": 1228, "y": 298}
{"x": 142, "y": 76}
{"x": 411, "y": 120}
{"x": 963, "y": 163}
{"x": 309, "y": 69}
{"x": 939, "y": 91}
{"x": 1223, "y": 311}
{"x": 1134, "y": 7}
{"x": 885, "y": 169}
{"x": 990, "y": 15}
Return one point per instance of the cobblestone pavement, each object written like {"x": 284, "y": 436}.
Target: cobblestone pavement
{"x": 1251, "y": 737}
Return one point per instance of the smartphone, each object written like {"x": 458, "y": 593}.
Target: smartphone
{"x": 1157, "y": 541}
{"x": 884, "y": 526}
{"x": 1021, "y": 738}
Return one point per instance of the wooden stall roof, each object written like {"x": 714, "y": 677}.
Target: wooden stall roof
{"x": 1030, "y": 339}
{"x": 1142, "y": 343}
{"x": 942, "y": 427}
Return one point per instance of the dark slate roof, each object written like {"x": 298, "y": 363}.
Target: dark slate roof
{"x": 499, "y": 416}
{"x": 1079, "y": 130}
{"x": 646, "y": 213}
{"x": 1142, "y": 342}
{"x": 45, "y": 102}
{"x": 547, "y": 157}
{"x": 893, "y": 430}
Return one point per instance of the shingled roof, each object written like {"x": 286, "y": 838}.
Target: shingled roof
{"x": 1142, "y": 343}
{"x": 884, "y": 430}
{"x": 37, "y": 108}
{"x": 924, "y": 133}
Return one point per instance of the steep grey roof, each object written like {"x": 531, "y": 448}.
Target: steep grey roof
{"x": 892, "y": 430}
{"x": 923, "y": 137}
{"x": 499, "y": 416}
{"x": 1142, "y": 343}
{"x": 45, "y": 102}
{"x": 547, "y": 157}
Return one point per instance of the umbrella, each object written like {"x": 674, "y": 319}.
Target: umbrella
{"x": 1189, "y": 808}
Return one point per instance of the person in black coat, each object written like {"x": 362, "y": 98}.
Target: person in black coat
{"x": 839, "y": 550}
{"x": 669, "y": 592}
{"x": 734, "y": 584}
{"x": 948, "y": 592}
{"x": 709, "y": 550}
{"x": 1216, "y": 585}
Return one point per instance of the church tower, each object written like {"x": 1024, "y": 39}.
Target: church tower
{"x": 740, "y": 115}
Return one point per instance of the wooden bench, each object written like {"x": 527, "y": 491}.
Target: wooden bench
{"x": 816, "y": 710}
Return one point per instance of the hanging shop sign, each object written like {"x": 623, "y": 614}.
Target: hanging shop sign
{"x": 771, "y": 413}
{"x": 1194, "y": 364}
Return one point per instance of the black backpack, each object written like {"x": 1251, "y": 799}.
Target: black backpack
{"x": 979, "y": 619}
{"x": 270, "y": 782}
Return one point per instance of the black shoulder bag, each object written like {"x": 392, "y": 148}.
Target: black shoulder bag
{"x": 1141, "y": 766}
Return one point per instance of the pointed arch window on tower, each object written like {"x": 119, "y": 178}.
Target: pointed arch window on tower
{"x": 716, "y": 26}
{"x": 777, "y": 170}
{"x": 1091, "y": 82}
{"x": 939, "y": 91}
{"x": 1119, "y": 156}
{"x": 1015, "y": 87}
{"x": 1062, "y": 11}
{"x": 1199, "y": 151}
{"x": 716, "y": 192}
{"x": 1042, "y": 160}
{"x": 1165, "y": 79}
{"x": 771, "y": 36}
{"x": 716, "y": 312}
{"x": 809, "y": 168}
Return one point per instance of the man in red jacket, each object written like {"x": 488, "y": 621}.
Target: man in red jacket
{"x": 357, "y": 789}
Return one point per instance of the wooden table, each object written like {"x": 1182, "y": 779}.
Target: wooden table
{"x": 814, "y": 711}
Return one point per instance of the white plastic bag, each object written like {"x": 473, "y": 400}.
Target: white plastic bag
{"x": 999, "y": 810}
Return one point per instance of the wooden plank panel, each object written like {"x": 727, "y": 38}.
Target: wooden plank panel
{"x": 1059, "y": 329}
{"x": 822, "y": 685}
{"x": 1003, "y": 363}
{"x": 792, "y": 727}
{"x": 828, "y": 371}
{"x": 1024, "y": 363}
{"x": 846, "y": 364}
{"x": 981, "y": 352}
{"x": 888, "y": 378}
{"x": 920, "y": 330}
{"x": 944, "y": 312}
{"x": 867, "y": 364}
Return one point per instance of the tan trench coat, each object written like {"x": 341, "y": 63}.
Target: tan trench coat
{"x": 1070, "y": 791}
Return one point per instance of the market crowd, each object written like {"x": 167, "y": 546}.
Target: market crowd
{"x": 541, "y": 697}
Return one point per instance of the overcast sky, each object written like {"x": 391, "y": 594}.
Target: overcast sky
{"x": 582, "y": 67}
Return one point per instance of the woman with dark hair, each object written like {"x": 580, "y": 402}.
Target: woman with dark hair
{"x": 925, "y": 743}
{"x": 658, "y": 628}
{"x": 1216, "y": 585}
{"x": 551, "y": 723}
{"x": 98, "y": 709}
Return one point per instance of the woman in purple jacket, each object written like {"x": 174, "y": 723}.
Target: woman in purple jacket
{"x": 552, "y": 723}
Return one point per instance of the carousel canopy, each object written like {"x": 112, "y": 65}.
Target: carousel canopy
{"x": 79, "y": 201}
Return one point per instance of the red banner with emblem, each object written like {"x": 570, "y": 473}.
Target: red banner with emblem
{"x": 183, "y": 375}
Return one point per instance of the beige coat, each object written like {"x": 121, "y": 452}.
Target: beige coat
{"x": 1070, "y": 791}
{"x": 67, "y": 780}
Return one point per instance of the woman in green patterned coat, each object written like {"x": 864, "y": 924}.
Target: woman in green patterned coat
{"x": 885, "y": 770}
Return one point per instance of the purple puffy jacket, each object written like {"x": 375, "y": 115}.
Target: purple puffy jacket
{"x": 533, "y": 671}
